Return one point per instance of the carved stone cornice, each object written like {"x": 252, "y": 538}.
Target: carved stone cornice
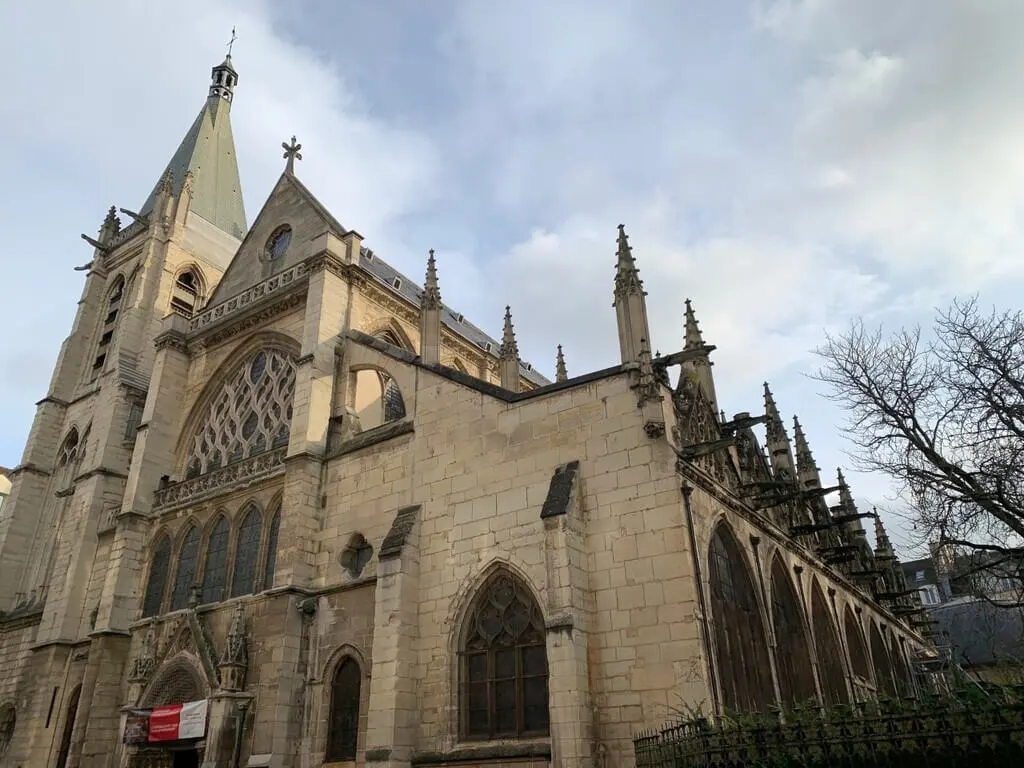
{"x": 329, "y": 262}
{"x": 231, "y": 478}
{"x": 51, "y": 400}
{"x": 254, "y": 318}
{"x": 282, "y": 282}
{"x": 31, "y": 469}
{"x": 173, "y": 340}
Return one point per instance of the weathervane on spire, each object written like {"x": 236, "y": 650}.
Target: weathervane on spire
{"x": 291, "y": 154}
{"x": 231, "y": 42}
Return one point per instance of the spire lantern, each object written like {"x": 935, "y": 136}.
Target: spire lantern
{"x": 223, "y": 79}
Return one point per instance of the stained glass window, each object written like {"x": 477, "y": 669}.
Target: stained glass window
{"x": 740, "y": 640}
{"x": 7, "y": 722}
{"x": 251, "y": 414}
{"x": 279, "y": 242}
{"x": 394, "y": 406}
{"x": 880, "y": 658}
{"x": 215, "y": 572}
{"x": 792, "y": 652}
{"x": 343, "y": 725}
{"x": 185, "y": 578}
{"x": 69, "y": 727}
{"x": 154, "y": 598}
{"x": 830, "y": 654}
{"x": 855, "y": 643}
{"x": 271, "y": 564}
{"x": 504, "y": 664}
{"x": 243, "y": 581}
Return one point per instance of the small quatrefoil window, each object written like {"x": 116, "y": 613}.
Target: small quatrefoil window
{"x": 278, "y": 242}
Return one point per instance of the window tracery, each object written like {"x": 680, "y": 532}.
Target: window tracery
{"x": 157, "y": 584}
{"x": 356, "y": 556}
{"x": 742, "y": 648}
{"x": 830, "y": 655}
{"x": 504, "y": 664}
{"x": 394, "y": 405}
{"x": 343, "y": 724}
{"x": 792, "y": 653}
{"x": 271, "y": 563}
{"x": 247, "y": 549}
{"x": 215, "y": 570}
{"x": 185, "y": 578}
{"x": 251, "y": 414}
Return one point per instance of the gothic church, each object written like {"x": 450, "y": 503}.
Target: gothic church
{"x": 282, "y": 506}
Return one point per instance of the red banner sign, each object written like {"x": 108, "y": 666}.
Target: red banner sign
{"x": 175, "y": 722}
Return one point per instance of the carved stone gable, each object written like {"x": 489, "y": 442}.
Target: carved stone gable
{"x": 697, "y": 425}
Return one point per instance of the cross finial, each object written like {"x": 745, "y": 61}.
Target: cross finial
{"x": 231, "y": 42}
{"x": 291, "y": 154}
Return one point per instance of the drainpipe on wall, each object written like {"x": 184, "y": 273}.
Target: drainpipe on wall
{"x": 705, "y": 630}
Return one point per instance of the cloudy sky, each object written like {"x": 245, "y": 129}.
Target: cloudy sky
{"x": 787, "y": 164}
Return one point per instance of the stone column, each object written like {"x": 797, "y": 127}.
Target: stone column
{"x": 568, "y": 623}
{"x": 326, "y": 311}
{"x": 393, "y": 717}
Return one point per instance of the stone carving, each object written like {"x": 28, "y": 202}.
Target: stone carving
{"x": 241, "y": 474}
{"x": 235, "y": 658}
{"x": 271, "y": 285}
{"x": 145, "y": 660}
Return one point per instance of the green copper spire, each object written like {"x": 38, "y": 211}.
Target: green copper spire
{"x": 208, "y": 153}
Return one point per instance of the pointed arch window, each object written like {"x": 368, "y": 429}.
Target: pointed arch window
{"x": 186, "y": 295}
{"x": 69, "y": 727}
{"x": 504, "y": 691}
{"x": 904, "y": 684}
{"x": 215, "y": 570}
{"x": 880, "y": 663}
{"x": 740, "y": 641}
{"x": 157, "y": 584}
{"x": 247, "y": 550}
{"x": 251, "y": 414}
{"x": 67, "y": 459}
{"x": 185, "y": 578}
{"x": 271, "y": 563}
{"x": 792, "y": 652}
{"x": 855, "y": 642}
{"x": 343, "y": 724}
{"x": 8, "y": 720}
{"x": 830, "y": 654}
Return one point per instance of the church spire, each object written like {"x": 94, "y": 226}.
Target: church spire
{"x": 430, "y": 315}
{"x": 693, "y": 337}
{"x": 806, "y": 469}
{"x": 560, "y": 373}
{"x": 207, "y": 153}
{"x": 780, "y": 452}
{"x": 509, "y": 354}
{"x": 630, "y": 304}
{"x": 882, "y": 544}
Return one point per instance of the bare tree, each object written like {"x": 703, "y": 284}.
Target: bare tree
{"x": 944, "y": 417}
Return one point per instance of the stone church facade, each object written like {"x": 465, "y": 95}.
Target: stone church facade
{"x": 273, "y": 474}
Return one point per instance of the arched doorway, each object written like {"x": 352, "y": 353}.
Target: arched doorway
{"x": 177, "y": 683}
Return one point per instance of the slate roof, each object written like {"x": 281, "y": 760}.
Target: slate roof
{"x": 208, "y": 151}
{"x": 982, "y": 633}
{"x": 454, "y": 321}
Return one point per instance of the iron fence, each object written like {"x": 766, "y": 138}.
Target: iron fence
{"x": 974, "y": 730}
